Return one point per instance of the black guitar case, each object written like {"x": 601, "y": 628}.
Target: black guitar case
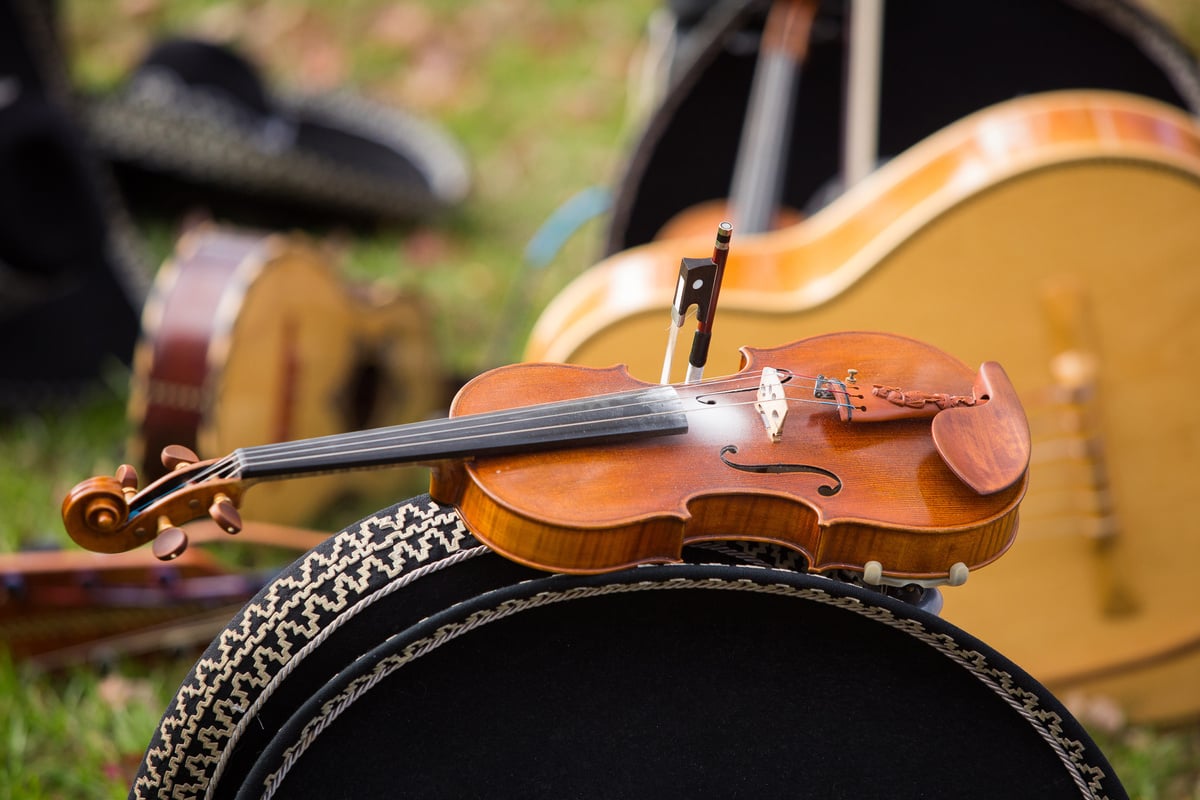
{"x": 401, "y": 658}
{"x": 941, "y": 60}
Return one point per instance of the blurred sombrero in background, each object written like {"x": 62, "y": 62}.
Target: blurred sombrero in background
{"x": 196, "y": 124}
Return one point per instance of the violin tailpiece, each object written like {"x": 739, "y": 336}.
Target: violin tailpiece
{"x": 917, "y": 399}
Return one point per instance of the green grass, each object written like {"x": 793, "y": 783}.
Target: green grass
{"x": 539, "y": 100}
{"x": 81, "y": 734}
{"x": 43, "y": 457}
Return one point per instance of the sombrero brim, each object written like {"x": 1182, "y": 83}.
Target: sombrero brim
{"x": 196, "y": 125}
{"x": 403, "y": 658}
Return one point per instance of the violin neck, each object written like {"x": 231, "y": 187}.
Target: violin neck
{"x": 654, "y": 411}
{"x": 860, "y": 146}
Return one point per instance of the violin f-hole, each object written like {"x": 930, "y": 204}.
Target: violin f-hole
{"x": 825, "y": 490}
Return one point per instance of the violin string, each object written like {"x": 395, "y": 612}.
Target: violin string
{"x": 224, "y": 468}
{"x": 468, "y": 428}
{"x": 635, "y": 394}
{"x": 230, "y": 465}
{"x": 433, "y": 426}
{"x": 398, "y": 433}
{"x": 383, "y": 439}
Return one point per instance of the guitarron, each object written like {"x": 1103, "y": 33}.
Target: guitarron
{"x": 253, "y": 337}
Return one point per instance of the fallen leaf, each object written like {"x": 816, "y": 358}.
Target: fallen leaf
{"x": 403, "y": 25}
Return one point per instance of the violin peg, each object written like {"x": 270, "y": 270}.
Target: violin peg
{"x": 170, "y": 542}
{"x": 127, "y": 476}
{"x": 225, "y": 514}
{"x": 175, "y": 456}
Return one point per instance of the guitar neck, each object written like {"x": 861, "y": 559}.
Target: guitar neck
{"x": 757, "y": 189}
{"x": 758, "y": 178}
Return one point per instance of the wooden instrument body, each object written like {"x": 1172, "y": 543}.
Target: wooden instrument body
{"x": 61, "y": 607}
{"x": 590, "y": 510}
{"x": 252, "y": 338}
{"x": 1050, "y": 230}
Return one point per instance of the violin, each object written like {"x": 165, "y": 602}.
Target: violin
{"x": 867, "y": 452}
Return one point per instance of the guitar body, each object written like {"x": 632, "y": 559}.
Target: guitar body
{"x": 941, "y": 61}
{"x": 1056, "y": 234}
{"x": 253, "y": 338}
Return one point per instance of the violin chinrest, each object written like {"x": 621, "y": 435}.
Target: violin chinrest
{"x": 987, "y": 445}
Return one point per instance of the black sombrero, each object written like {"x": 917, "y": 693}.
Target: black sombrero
{"x": 401, "y": 658}
{"x": 196, "y": 124}
{"x": 72, "y": 277}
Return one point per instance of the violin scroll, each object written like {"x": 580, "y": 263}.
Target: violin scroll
{"x": 93, "y": 511}
{"x": 110, "y": 515}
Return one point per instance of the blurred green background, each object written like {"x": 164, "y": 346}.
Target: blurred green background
{"x": 545, "y": 97}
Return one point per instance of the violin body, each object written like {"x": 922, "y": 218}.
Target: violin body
{"x": 896, "y": 500}
{"x": 1053, "y": 233}
{"x": 252, "y": 337}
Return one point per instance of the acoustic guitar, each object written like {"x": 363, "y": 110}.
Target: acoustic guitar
{"x": 1056, "y": 233}
{"x": 254, "y": 337}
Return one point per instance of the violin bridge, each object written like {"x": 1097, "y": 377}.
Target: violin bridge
{"x": 771, "y": 404}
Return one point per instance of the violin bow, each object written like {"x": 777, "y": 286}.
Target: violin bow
{"x": 699, "y": 285}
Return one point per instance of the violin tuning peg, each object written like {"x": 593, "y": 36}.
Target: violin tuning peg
{"x": 170, "y": 542}
{"x": 127, "y": 476}
{"x": 225, "y": 514}
{"x": 175, "y": 456}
